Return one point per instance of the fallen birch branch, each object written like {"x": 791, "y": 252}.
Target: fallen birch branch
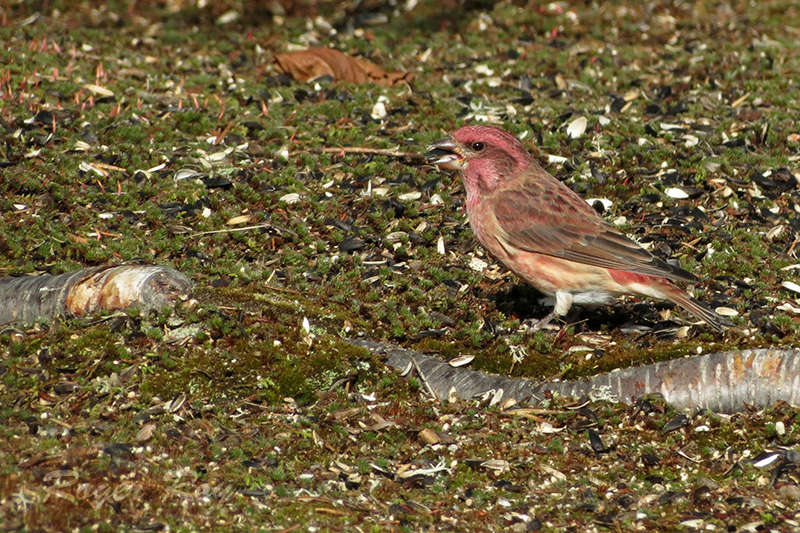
{"x": 725, "y": 382}
{"x": 28, "y": 299}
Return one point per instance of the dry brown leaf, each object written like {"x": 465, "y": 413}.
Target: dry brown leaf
{"x": 314, "y": 62}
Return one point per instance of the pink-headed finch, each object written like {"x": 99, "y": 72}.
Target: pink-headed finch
{"x": 548, "y": 235}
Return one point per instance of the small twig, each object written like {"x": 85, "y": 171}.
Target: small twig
{"x": 60, "y": 423}
{"x": 280, "y": 289}
{"x": 423, "y": 378}
{"x": 790, "y": 252}
{"x": 366, "y": 150}
{"x": 244, "y": 228}
{"x": 528, "y": 411}
{"x": 524, "y": 413}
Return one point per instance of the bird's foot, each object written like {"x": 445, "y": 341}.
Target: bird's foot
{"x": 535, "y": 324}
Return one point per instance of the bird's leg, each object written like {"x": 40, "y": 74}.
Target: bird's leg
{"x": 563, "y": 303}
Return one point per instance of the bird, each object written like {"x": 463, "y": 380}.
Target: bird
{"x": 548, "y": 235}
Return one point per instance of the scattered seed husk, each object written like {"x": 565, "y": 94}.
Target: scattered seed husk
{"x": 775, "y": 232}
{"x": 378, "y": 111}
{"x": 498, "y": 465}
{"x": 461, "y": 360}
{"x": 765, "y": 459}
{"x": 440, "y": 245}
{"x": 186, "y": 173}
{"x": 576, "y": 127}
{"x": 791, "y": 285}
{"x": 452, "y": 395}
{"x": 396, "y": 236}
{"x": 409, "y": 196}
{"x": 477, "y": 264}
{"x": 145, "y": 433}
{"x": 674, "y": 192}
{"x": 98, "y": 90}
{"x": 290, "y": 198}
{"x": 428, "y": 436}
{"x": 676, "y": 422}
{"x": 241, "y": 219}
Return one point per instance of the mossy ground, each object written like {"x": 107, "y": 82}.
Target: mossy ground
{"x": 131, "y": 131}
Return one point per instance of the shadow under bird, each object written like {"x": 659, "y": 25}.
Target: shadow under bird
{"x": 547, "y": 234}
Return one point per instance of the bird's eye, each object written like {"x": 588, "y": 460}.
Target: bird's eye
{"x": 478, "y": 146}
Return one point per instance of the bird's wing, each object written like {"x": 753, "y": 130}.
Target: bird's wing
{"x": 546, "y": 217}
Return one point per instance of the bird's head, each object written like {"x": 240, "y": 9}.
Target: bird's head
{"x": 485, "y": 156}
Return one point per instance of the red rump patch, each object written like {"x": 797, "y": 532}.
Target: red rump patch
{"x": 623, "y": 277}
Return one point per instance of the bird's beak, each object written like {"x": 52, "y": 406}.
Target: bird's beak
{"x": 445, "y": 154}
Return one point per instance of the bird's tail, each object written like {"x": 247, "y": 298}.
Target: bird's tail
{"x": 680, "y": 297}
